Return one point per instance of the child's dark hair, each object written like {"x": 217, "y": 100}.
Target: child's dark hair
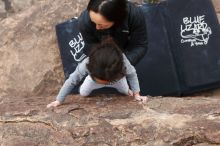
{"x": 113, "y": 10}
{"x": 106, "y": 61}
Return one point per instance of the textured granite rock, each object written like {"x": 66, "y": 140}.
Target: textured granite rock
{"x": 218, "y": 14}
{"x": 19, "y": 5}
{"x": 9, "y": 7}
{"x": 110, "y": 121}
{"x": 2, "y": 7}
{"x": 30, "y": 61}
{"x": 31, "y": 74}
{"x": 216, "y": 4}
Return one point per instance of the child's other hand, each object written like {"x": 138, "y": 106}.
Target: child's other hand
{"x": 54, "y": 104}
{"x": 138, "y": 97}
{"x": 141, "y": 98}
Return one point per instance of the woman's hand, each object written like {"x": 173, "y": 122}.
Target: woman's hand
{"x": 138, "y": 97}
{"x": 54, "y": 104}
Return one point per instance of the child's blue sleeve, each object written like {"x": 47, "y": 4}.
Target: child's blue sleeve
{"x": 131, "y": 75}
{"x": 74, "y": 78}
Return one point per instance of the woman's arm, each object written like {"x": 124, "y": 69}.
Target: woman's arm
{"x": 137, "y": 45}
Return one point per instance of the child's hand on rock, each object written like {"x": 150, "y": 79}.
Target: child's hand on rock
{"x": 54, "y": 104}
{"x": 138, "y": 97}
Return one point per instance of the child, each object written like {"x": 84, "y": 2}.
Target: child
{"x": 106, "y": 66}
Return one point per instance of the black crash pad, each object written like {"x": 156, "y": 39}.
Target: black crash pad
{"x": 183, "y": 51}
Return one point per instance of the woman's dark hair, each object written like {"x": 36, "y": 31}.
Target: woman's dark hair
{"x": 113, "y": 10}
{"x": 106, "y": 61}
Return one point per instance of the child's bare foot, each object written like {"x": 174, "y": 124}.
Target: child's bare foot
{"x": 130, "y": 93}
{"x": 54, "y": 104}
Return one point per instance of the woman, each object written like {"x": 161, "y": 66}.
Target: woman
{"x": 121, "y": 20}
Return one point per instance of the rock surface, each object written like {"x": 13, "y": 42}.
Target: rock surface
{"x": 216, "y": 4}
{"x": 30, "y": 61}
{"x": 110, "y": 121}
{"x": 2, "y": 7}
{"x": 31, "y": 75}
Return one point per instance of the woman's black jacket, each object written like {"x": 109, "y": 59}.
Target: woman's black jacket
{"x": 131, "y": 35}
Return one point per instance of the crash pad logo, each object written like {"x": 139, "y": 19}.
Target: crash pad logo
{"x": 77, "y": 44}
{"x": 195, "y": 31}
